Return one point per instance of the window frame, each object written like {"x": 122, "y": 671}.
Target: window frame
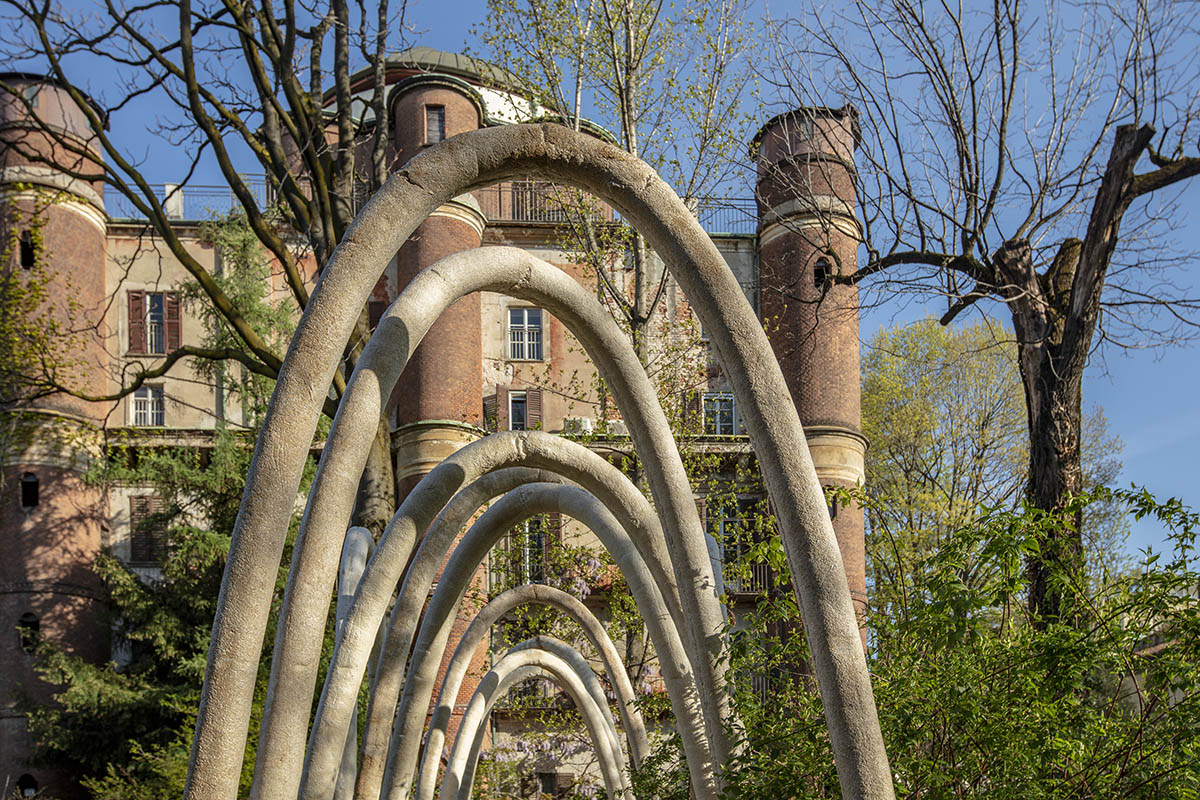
{"x": 151, "y": 406}
{"x": 524, "y": 330}
{"x": 706, "y": 414}
{"x": 523, "y": 398}
{"x": 149, "y": 336}
{"x": 440, "y": 115}
{"x": 152, "y": 505}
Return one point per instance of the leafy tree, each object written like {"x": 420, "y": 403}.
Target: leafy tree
{"x": 668, "y": 81}
{"x": 1025, "y": 155}
{"x": 945, "y": 415}
{"x": 977, "y": 701}
{"x": 125, "y": 728}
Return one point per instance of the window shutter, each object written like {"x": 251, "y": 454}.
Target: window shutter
{"x": 137, "y": 321}
{"x": 501, "y": 408}
{"x": 533, "y": 409}
{"x": 174, "y": 321}
{"x": 489, "y": 413}
{"x": 147, "y": 536}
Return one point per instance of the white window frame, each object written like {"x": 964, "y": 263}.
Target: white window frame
{"x": 526, "y": 342}
{"x": 523, "y": 399}
{"x": 148, "y": 407}
{"x": 718, "y": 427}
{"x": 156, "y": 329}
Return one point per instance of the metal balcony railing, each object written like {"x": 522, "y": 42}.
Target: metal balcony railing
{"x": 513, "y": 202}
{"x": 756, "y": 582}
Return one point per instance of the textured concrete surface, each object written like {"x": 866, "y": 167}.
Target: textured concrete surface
{"x": 468, "y": 161}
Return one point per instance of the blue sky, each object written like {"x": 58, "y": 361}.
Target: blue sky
{"x": 1148, "y": 396}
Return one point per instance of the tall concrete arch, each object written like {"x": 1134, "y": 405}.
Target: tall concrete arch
{"x": 473, "y": 160}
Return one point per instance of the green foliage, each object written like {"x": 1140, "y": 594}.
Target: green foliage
{"x": 944, "y": 411}
{"x": 976, "y": 701}
{"x": 245, "y": 277}
{"x": 125, "y": 729}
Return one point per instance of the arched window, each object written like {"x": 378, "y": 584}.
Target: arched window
{"x": 821, "y": 273}
{"x": 29, "y": 490}
{"x": 27, "y": 785}
{"x": 28, "y": 628}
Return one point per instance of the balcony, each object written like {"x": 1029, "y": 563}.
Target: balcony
{"x": 515, "y": 202}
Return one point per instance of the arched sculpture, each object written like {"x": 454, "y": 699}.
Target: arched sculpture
{"x": 531, "y": 593}
{"x": 568, "y": 670}
{"x": 459, "y": 771}
{"x": 673, "y": 549}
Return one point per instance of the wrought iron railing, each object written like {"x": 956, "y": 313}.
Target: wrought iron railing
{"x": 748, "y": 579}
{"x": 190, "y": 203}
{"x": 536, "y": 202}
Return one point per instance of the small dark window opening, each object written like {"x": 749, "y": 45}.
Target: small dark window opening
{"x": 27, "y": 785}
{"x": 29, "y": 490}
{"x": 435, "y": 124}
{"x": 28, "y": 629}
{"x": 833, "y": 507}
{"x": 27, "y": 255}
{"x": 821, "y": 273}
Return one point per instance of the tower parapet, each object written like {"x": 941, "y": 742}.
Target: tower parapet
{"x": 808, "y": 237}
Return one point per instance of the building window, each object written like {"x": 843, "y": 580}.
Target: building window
{"x": 718, "y": 414}
{"x": 27, "y": 785}
{"x": 155, "y": 323}
{"x": 148, "y": 408}
{"x": 28, "y": 256}
{"x": 435, "y": 124}
{"x": 821, "y": 273}
{"x": 525, "y": 334}
{"x": 530, "y": 552}
{"x": 29, "y": 490}
{"x": 147, "y": 530}
{"x": 28, "y": 631}
{"x": 734, "y": 524}
{"x": 509, "y": 410}
{"x": 518, "y": 411}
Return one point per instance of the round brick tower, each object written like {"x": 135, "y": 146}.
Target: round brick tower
{"x": 51, "y": 522}
{"x": 438, "y": 403}
{"x": 808, "y": 235}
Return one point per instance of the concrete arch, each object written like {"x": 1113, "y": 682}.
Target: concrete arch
{"x": 430, "y": 646}
{"x": 509, "y": 670}
{"x": 565, "y": 459}
{"x": 460, "y": 164}
{"x": 518, "y": 273}
{"x": 493, "y": 612}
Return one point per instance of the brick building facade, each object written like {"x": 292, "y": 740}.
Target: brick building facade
{"x": 490, "y": 361}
